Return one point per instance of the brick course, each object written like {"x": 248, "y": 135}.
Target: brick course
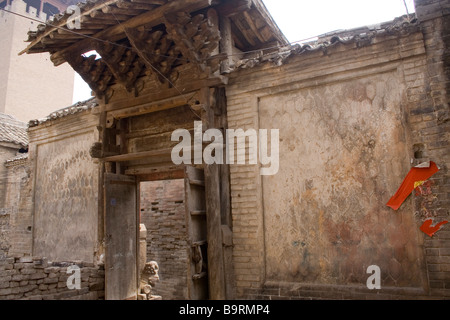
{"x": 26, "y": 278}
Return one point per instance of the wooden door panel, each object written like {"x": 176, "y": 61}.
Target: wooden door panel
{"x": 121, "y": 237}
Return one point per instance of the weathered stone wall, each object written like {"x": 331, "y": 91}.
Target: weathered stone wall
{"x": 346, "y": 144}
{"x": 65, "y": 195}
{"x": 163, "y": 213}
{"x": 4, "y": 234}
{"x": 26, "y": 278}
{"x": 344, "y": 151}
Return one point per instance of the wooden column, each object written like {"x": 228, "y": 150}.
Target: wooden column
{"x": 216, "y": 272}
{"x": 220, "y": 110}
{"x": 226, "y": 45}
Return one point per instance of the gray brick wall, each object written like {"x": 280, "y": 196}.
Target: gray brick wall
{"x": 430, "y": 125}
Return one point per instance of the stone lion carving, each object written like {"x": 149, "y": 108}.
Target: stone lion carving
{"x": 149, "y": 277}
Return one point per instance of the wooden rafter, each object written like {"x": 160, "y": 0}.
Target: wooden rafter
{"x": 94, "y": 72}
{"x": 156, "y": 51}
{"x": 196, "y": 36}
{"x": 122, "y": 62}
{"x": 116, "y": 32}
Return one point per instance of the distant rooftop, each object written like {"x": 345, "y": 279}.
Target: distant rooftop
{"x": 13, "y": 130}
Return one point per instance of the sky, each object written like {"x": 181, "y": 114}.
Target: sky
{"x": 303, "y": 19}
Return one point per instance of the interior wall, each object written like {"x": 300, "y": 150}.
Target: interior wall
{"x": 162, "y": 211}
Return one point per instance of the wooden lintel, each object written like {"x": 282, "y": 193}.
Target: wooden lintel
{"x": 163, "y": 175}
{"x": 152, "y": 107}
{"x": 185, "y": 90}
{"x": 153, "y": 168}
{"x": 137, "y": 155}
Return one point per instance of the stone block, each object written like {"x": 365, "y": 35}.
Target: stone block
{"x": 4, "y": 284}
{"x": 5, "y": 291}
{"x": 26, "y": 259}
{"x": 19, "y": 277}
{"x": 37, "y": 275}
{"x": 28, "y": 271}
{"x": 40, "y": 262}
{"x": 51, "y": 269}
{"x": 50, "y": 280}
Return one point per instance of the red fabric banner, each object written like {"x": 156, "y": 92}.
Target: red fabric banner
{"x": 429, "y": 229}
{"x": 415, "y": 177}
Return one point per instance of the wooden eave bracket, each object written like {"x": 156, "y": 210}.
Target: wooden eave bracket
{"x": 197, "y": 37}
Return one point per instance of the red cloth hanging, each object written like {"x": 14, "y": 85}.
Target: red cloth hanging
{"x": 414, "y": 177}
{"x": 429, "y": 229}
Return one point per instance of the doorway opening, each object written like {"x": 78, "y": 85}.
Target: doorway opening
{"x": 173, "y": 210}
{"x": 162, "y": 211}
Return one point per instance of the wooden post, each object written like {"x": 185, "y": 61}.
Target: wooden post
{"x": 216, "y": 273}
{"x": 220, "y": 109}
{"x": 226, "y": 45}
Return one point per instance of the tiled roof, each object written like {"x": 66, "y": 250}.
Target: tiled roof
{"x": 362, "y": 36}
{"x": 61, "y": 113}
{"x": 13, "y": 130}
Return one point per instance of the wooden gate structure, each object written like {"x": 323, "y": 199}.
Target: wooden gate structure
{"x": 161, "y": 65}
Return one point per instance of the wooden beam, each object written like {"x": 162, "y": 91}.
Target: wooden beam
{"x": 64, "y": 22}
{"x": 145, "y": 45}
{"x": 237, "y": 21}
{"x": 137, "y": 155}
{"x": 116, "y": 32}
{"x": 152, "y": 107}
{"x": 124, "y": 4}
{"x": 163, "y": 175}
{"x": 153, "y": 168}
{"x": 91, "y": 71}
{"x": 196, "y": 36}
{"x": 231, "y": 7}
{"x": 184, "y": 88}
{"x": 267, "y": 17}
{"x": 250, "y": 22}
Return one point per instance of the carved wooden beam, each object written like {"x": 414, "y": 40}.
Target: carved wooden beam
{"x": 123, "y": 63}
{"x": 197, "y": 37}
{"x": 93, "y": 72}
{"x": 156, "y": 51}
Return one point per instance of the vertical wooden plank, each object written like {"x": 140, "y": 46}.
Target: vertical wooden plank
{"x": 220, "y": 106}
{"x": 120, "y": 237}
{"x": 101, "y": 191}
{"x": 216, "y": 274}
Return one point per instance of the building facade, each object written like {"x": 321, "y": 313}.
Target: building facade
{"x": 354, "y": 112}
{"x": 24, "y": 90}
